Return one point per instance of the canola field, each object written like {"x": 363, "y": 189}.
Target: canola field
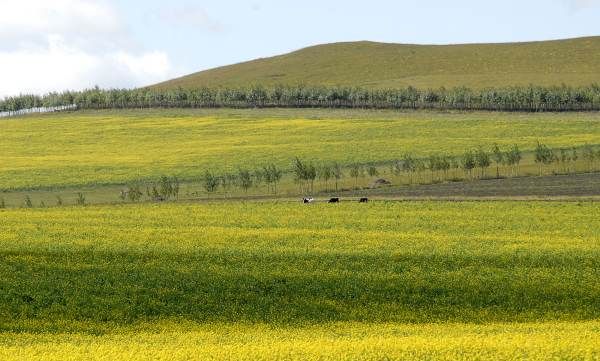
{"x": 280, "y": 280}
{"x": 108, "y": 147}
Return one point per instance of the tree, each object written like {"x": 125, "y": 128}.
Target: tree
{"x": 396, "y": 167}
{"x": 211, "y": 182}
{"x": 132, "y": 193}
{"x": 372, "y": 171}
{"x": 276, "y": 175}
{"x": 588, "y": 154}
{"x": 325, "y": 173}
{"x": 498, "y": 157}
{"x": 245, "y": 179}
{"x": 165, "y": 187}
{"x": 299, "y": 169}
{"x": 80, "y": 201}
{"x": 433, "y": 164}
{"x": 574, "y": 158}
{"x": 514, "y": 157}
{"x": 337, "y": 173}
{"x": 419, "y": 166}
{"x": 543, "y": 156}
{"x": 154, "y": 194}
{"x": 482, "y": 159}
{"x": 227, "y": 181}
{"x": 468, "y": 162}
{"x": 311, "y": 175}
{"x": 273, "y": 175}
{"x": 259, "y": 177}
{"x": 355, "y": 172}
{"x": 564, "y": 159}
{"x": 445, "y": 163}
{"x": 409, "y": 166}
{"x": 455, "y": 164}
{"x": 176, "y": 187}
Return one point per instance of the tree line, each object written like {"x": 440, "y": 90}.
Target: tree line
{"x": 526, "y": 98}
{"x": 313, "y": 176}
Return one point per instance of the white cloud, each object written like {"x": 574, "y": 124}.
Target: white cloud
{"x": 80, "y": 22}
{"x": 60, "y": 67}
{"x": 70, "y": 44}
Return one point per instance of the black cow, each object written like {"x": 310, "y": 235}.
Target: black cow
{"x": 334, "y": 200}
{"x": 363, "y": 200}
{"x": 308, "y": 200}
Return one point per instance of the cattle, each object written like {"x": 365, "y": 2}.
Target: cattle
{"x": 363, "y": 200}
{"x": 334, "y": 200}
{"x": 308, "y": 200}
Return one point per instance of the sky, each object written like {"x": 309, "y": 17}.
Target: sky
{"x": 55, "y": 45}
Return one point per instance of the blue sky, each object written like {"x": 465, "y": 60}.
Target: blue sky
{"x": 72, "y": 44}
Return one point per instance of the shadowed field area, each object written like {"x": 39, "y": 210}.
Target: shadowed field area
{"x": 288, "y": 263}
{"x": 267, "y": 280}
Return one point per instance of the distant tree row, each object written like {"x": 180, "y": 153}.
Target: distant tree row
{"x": 308, "y": 175}
{"x": 529, "y": 98}
{"x": 80, "y": 200}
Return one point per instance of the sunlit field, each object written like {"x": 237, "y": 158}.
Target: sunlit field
{"x": 335, "y": 341}
{"x": 114, "y": 147}
{"x": 411, "y": 280}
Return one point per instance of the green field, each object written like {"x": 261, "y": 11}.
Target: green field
{"x": 504, "y": 280}
{"x": 376, "y": 65}
{"x": 90, "y": 148}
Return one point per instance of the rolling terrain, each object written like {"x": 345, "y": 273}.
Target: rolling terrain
{"x": 571, "y": 62}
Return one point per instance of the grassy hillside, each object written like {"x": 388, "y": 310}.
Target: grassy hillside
{"x": 228, "y": 279}
{"x": 116, "y": 146}
{"x": 367, "y": 64}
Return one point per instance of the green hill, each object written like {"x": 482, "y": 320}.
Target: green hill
{"x": 368, "y": 64}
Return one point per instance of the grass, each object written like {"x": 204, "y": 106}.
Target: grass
{"x": 398, "y": 279}
{"x": 367, "y": 64}
{"x": 107, "y": 147}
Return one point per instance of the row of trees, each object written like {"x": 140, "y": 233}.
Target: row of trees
{"x": 269, "y": 175}
{"x": 440, "y": 165}
{"x": 164, "y": 189}
{"x": 564, "y": 158}
{"x": 472, "y": 164}
{"x": 530, "y": 98}
{"x": 80, "y": 200}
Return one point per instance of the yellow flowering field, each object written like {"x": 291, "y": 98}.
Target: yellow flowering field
{"x": 117, "y": 146}
{"x": 339, "y": 341}
{"x": 281, "y": 280}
